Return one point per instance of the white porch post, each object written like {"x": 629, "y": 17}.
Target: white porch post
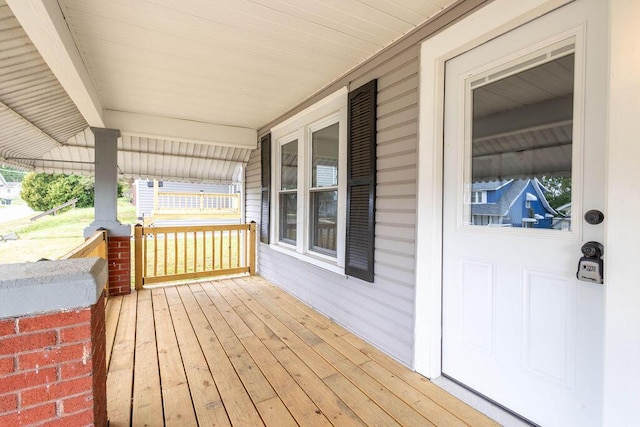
{"x": 106, "y": 185}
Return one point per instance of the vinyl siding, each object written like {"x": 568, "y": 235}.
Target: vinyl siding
{"x": 380, "y": 312}
{"x": 252, "y": 189}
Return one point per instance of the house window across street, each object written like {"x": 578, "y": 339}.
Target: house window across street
{"x": 478, "y": 197}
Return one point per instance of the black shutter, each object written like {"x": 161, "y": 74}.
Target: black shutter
{"x": 361, "y": 181}
{"x": 265, "y": 164}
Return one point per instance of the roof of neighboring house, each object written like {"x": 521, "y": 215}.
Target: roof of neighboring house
{"x": 11, "y": 184}
{"x": 489, "y": 185}
{"x": 541, "y": 189}
{"x": 501, "y": 208}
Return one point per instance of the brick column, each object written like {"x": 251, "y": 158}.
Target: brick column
{"x": 119, "y": 254}
{"x": 53, "y": 363}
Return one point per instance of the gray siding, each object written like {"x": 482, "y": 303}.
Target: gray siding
{"x": 380, "y": 312}
{"x": 252, "y": 188}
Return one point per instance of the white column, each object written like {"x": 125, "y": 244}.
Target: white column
{"x": 106, "y": 186}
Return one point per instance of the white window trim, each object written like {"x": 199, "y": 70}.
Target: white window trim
{"x": 278, "y": 189}
{"x": 332, "y": 109}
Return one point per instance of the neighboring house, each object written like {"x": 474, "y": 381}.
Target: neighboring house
{"x": 563, "y": 221}
{"x": 9, "y": 190}
{"x": 512, "y": 203}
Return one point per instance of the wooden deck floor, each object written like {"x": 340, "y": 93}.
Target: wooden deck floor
{"x": 242, "y": 352}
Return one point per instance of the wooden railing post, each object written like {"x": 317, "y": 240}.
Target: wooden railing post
{"x": 138, "y": 255}
{"x": 252, "y": 248}
{"x": 102, "y": 248}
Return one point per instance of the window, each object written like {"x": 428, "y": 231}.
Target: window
{"x": 323, "y": 194}
{"x": 325, "y": 177}
{"x": 288, "y": 195}
{"x": 311, "y": 197}
{"x": 478, "y": 197}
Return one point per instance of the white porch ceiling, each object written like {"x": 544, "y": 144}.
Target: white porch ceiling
{"x": 191, "y": 80}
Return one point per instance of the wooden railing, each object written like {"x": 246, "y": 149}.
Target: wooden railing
{"x": 200, "y": 205}
{"x": 164, "y": 254}
{"x": 197, "y": 202}
{"x": 94, "y": 246}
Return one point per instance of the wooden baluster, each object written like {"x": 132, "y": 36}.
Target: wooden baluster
{"x": 204, "y": 250}
{"x": 137, "y": 244}
{"x": 164, "y": 267}
{"x": 237, "y": 251}
{"x": 195, "y": 251}
{"x": 175, "y": 252}
{"x": 155, "y": 253}
{"x": 184, "y": 252}
{"x": 221, "y": 251}
{"x": 252, "y": 248}
{"x": 229, "y": 249}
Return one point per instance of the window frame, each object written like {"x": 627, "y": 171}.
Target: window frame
{"x": 478, "y": 197}
{"x": 330, "y": 110}
{"x": 280, "y": 191}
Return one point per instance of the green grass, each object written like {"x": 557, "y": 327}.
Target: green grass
{"x": 52, "y": 236}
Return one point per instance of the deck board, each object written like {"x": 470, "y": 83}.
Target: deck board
{"x": 243, "y": 352}
{"x": 112, "y": 311}
{"x": 176, "y": 396}
{"x": 147, "y": 399}
{"x": 120, "y": 374}
{"x": 236, "y": 400}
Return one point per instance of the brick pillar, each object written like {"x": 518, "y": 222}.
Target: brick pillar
{"x": 53, "y": 368}
{"x": 119, "y": 265}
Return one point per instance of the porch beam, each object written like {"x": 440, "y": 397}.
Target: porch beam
{"x": 175, "y": 129}
{"x": 45, "y": 25}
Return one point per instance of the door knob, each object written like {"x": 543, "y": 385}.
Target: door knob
{"x": 594, "y": 217}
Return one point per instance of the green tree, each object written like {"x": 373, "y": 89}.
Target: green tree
{"x": 559, "y": 190}
{"x": 45, "y": 191}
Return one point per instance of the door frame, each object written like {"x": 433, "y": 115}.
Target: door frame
{"x": 492, "y": 20}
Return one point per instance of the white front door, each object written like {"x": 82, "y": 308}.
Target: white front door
{"x": 523, "y": 160}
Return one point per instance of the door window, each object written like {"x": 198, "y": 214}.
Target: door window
{"x": 520, "y": 139}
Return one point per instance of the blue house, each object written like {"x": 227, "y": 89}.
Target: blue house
{"x": 511, "y": 203}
